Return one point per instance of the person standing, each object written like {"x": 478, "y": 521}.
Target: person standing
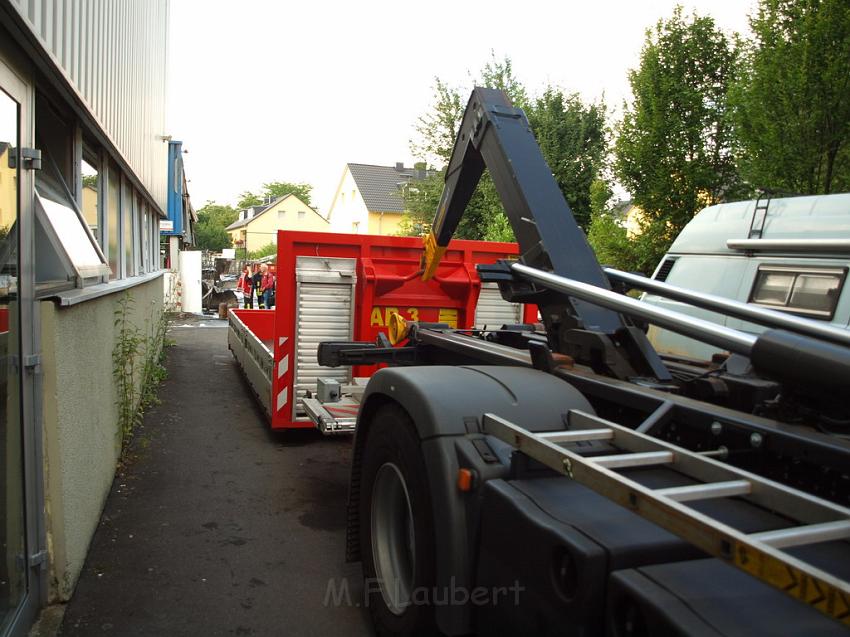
{"x": 246, "y": 285}
{"x": 267, "y": 286}
{"x": 257, "y": 279}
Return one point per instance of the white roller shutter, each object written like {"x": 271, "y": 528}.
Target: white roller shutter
{"x": 325, "y": 312}
{"x": 494, "y": 311}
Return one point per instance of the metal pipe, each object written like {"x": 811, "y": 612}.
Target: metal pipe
{"x": 700, "y": 329}
{"x": 790, "y": 245}
{"x": 746, "y": 311}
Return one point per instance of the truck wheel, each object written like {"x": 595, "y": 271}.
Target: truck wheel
{"x": 396, "y": 527}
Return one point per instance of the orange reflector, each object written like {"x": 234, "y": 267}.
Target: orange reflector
{"x": 465, "y": 478}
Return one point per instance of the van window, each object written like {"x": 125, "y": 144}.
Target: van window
{"x": 811, "y": 292}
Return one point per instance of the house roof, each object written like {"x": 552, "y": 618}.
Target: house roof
{"x": 380, "y": 186}
{"x": 258, "y": 210}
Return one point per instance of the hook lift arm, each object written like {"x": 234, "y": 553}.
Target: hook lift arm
{"x": 495, "y": 135}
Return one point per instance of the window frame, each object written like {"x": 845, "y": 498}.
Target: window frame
{"x": 797, "y": 271}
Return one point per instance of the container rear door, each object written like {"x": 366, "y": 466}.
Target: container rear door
{"x": 325, "y": 312}
{"x": 494, "y": 311}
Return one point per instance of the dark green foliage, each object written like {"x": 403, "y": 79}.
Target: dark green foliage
{"x": 572, "y": 139}
{"x": 791, "y": 105}
{"x": 673, "y": 152}
{"x": 210, "y": 233}
{"x": 275, "y": 189}
{"x": 571, "y": 136}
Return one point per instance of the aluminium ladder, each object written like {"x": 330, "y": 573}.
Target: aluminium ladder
{"x": 758, "y": 554}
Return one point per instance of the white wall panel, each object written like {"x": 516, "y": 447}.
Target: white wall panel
{"x": 114, "y": 54}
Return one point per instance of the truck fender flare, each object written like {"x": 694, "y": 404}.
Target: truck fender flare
{"x": 446, "y": 404}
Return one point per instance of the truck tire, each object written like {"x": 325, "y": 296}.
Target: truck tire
{"x": 396, "y": 527}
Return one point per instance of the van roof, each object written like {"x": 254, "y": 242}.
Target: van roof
{"x": 811, "y": 217}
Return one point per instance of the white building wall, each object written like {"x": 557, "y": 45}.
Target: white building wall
{"x": 348, "y": 212}
{"x": 114, "y": 55}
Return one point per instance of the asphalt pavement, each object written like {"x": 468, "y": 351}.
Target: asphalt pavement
{"x": 215, "y": 525}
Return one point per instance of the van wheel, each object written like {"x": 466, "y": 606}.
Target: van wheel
{"x": 396, "y": 527}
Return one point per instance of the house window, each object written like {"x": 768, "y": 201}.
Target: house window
{"x": 302, "y": 215}
{"x": 281, "y": 215}
{"x": 812, "y": 292}
{"x": 355, "y": 227}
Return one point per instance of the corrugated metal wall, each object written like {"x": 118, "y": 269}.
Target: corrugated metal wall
{"x": 114, "y": 52}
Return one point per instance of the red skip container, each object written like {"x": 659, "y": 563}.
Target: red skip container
{"x": 338, "y": 287}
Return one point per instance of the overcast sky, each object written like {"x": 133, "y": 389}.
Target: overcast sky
{"x": 262, "y": 91}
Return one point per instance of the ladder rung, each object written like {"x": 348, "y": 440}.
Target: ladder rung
{"x": 623, "y": 460}
{"x": 726, "y": 489}
{"x": 758, "y": 554}
{"x": 809, "y": 534}
{"x": 577, "y": 435}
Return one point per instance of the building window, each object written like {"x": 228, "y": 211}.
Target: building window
{"x": 146, "y": 238}
{"x": 128, "y": 206}
{"x": 89, "y": 194}
{"x": 302, "y": 215}
{"x": 113, "y": 219}
{"x": 281, "y": 215}
{"x": 355, "y": 227}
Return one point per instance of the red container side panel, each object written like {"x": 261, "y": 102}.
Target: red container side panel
{"x": 260, "y": 322}
{"x": 387, "y": 280}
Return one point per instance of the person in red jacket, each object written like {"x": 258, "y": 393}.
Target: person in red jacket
{"x": 246, "y": 285}
{"x": 267, "y": 287}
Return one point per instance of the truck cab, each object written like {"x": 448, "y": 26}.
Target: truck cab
{"x": 789, "y": 254}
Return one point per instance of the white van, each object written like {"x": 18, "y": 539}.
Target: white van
{"x": 790, "y": 254}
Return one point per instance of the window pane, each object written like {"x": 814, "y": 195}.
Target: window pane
{"x": 144, "y": 250}
{"x": 113, "y": 211}
{"x": 127, "y": 213}
{"x": 89, "y": 199}
{"x": 816, "y": 292}
{"x": 773, "y": 287}
{"x": 76, "y": 242}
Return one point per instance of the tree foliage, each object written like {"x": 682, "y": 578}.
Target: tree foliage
{"x": 791, "y": 105}
{"x": 210, "y": 233}
{"x": 572, "y": 137}
{"x": 275, "y": 189}
{"x": 267, "y": 250}
{"x": 673, "y": 150}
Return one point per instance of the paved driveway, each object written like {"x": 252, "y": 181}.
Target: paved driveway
{"x": 216, "y": 526}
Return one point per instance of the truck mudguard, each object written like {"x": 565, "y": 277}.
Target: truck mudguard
{"x": 446, "y": 405}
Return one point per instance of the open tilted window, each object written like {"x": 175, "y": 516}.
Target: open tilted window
{"x": 68, "y": 253}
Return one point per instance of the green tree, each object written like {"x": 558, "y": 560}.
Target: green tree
{"x": 279, "y": 188}
{"x": 572, "y": 138}
{"x": 248, "y": 200}
{"x": 211, "y": 237}
{"x": 210, "y": 233}
{"x": 673, "y": 150}
{"x": 791, "y": 104}
{"x": 267, "y": 250}
{"x": 275, "y": 189}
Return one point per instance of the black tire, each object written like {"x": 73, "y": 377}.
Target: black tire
{"x": 392, "y": 458}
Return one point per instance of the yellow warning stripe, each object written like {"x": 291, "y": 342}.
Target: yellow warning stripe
{"x": 808, "y": 589}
